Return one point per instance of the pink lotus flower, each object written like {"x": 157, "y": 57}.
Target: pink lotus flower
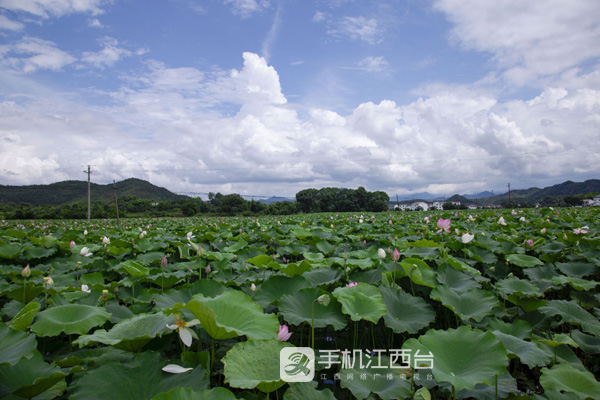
{"x": 529, "y": 243}
{"x": 579, "y": 231}
{"x": 284, "y": 333}
{"x": 352, "y": 284}
{"x": 395, "y": 255}
{"x": 444, "y": 225}
{"x": 72, "y": 243}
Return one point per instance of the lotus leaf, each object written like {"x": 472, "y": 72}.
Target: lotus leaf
{"x": 473, "y": 304}
{"x": 15, "y": 345}
{"x": 465, "y": 357}
{"x": 405, "y": 313}
{"x": 307, "y": 390}
{"x": 140, "y": 378}
{"x": 564, "y": 378}
{"x": 131, "y": 334}
{"x": 254, "y": 364}
{"x": 362, "y": 301}
{"x": 298, "y": 308}
{"x": 233, "y": 313}
{"x": 70, "y": 318}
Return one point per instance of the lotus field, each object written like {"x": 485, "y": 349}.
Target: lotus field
{"x": 481, "y": 304}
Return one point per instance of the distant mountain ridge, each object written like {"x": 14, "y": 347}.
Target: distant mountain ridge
{"x": 76, "y": 191}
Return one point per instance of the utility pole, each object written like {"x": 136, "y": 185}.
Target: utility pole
{"x": 397, "y": 202}
{"x": 116, "y": 203}
{"x": 88, "y": 174}
{"x": 509, "y": 193}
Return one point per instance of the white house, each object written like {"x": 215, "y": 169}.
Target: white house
{"x": 592, "y": 202}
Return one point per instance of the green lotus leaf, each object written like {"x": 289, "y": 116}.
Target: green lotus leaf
{"x": 180, "y": 393}
{"x": 405, "y": 313}
{"x": 276, "y": 286}
{"x": 39, "y": 252}
{"x": 506, "y": 385}
{"x": 300, "y": 233}
{"x": 69, "y": 318}
{"x": 465, "y": 357}
{"x": 517, "y": 328}
{"x": 134, "y": 268}
{"x": 260, "y": 261}
{"x": 558, "y": 339}
{"x": 27, "y": 293}
{"x": 323, "y": 276}
{"x": 576, "y": 283}
{"x": 564, "y": 378}
{"x": 362, "y": 301}
{"x": 15, "y": 345}
{"x": 589, "y": 344}
{"x": 473, "y": 304}
{"x": 529, "y": 353}
{"x": 254, "y": 364}
{"x": 422, "y": 394}
{"x": 167, "y": 300}
{"x": 518, "y": 287}
{"x": 10, "y": 251}
{"x": 29, "y": 377}
{"x": 461, "y": 266}
{"x": 426, "y": 253}
{"x": 140, "y": 378}
{"x": 298, "y": 308}
{"x": 572, "y": 313}
{"x": 364, "y": 263}
{"x": 523, "y": 260}
{"x": 577, "y": 269}
{"x": 419, "y": 272}
{"x": 293, "y": 269}
{"x": 457, "y": 280}
{"x": 231, "y": 314}
{"x": 131, "y": 334}
{"x": 25, "y": 317}
{"x": 307, "y": 390}
{"x": 376, "y": 376}
{"x": 325, "y": 247}
{"x": 314, "y": 257}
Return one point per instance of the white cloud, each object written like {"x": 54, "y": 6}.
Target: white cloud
{"x": 530, "y": 39}
{"x": 95, "y": 23}
{"x": 358, "y": 28}
{"x": 54, "y": 8}
{"x": 318, "y": 17}
{"x": 108, "y": 56}
{"x": 10, "y": 25}
{"x": 246, "y": 8}
{"x": 373, "y": 64}
{"x": 39, "y": 54}
{"x": 198, "y": 131}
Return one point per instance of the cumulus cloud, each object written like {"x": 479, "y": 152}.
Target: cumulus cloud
{"x": 54, "y": 8}
{"x": 527, "y": 40}
{"x": 197, "y": 130}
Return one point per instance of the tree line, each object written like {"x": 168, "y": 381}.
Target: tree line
{"x": 307, "y": 201}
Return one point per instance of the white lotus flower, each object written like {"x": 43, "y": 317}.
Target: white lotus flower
{"x": 105, "y": 240}
{"x": 253, "y": 287}
{"x": 85, "y": 252}
{"x": 501, "y": 221}
{"x": 175, "y": 369}
{"x": 466, "y": 238}
{"x": 381, "y": 253}
{"x": 85, "y": 232}
{"x": 85, "y": 288}
{"x": 185, "y": 333}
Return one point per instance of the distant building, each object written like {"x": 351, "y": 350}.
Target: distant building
{"x": 595, "y": 202}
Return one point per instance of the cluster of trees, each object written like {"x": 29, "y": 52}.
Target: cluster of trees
{"x": 341, "y": 200}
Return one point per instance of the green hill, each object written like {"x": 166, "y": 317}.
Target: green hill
{"x": 76, "y": 191}
{"x": 560, "y": 190}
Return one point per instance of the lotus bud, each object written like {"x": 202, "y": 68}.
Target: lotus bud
{"x": 207, "y": 269}
{"x": 543, "y": 231}
{"x": 26, "y": 272}
{"x": 72, "y": 244}
{"x": 351, "y": 284}
{"x": 381, "y": 253}
{"x": 273, "y": 256}
{"x": 163, "y": 262}
{"x": 253, "y": 287}
{"x": 345, "y": 256}
{"x": 199, "y": 252}
{"x": 324, "y": 300}
{"x": 85, "y": 232}
{"x": 395, "y": 255}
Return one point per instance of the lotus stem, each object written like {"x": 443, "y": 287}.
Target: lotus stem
{"x": 496, "y": 384}
{"x": 24, "y": 289}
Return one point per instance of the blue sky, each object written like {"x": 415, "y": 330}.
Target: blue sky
{"x": 275, "y": 96}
